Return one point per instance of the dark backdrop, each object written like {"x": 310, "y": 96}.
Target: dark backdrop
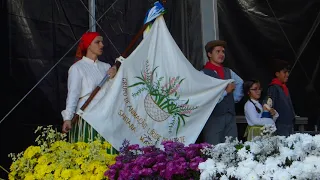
{"x": 36, "y": 34}
{"x": 258, "y": 31}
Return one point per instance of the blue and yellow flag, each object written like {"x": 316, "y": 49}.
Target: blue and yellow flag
{"x": 156, "y": 11}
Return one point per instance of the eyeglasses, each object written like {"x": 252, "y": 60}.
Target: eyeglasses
{"x": 260, "y": 89}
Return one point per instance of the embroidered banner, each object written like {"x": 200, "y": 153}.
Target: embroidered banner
{"x": 156, "y": 95}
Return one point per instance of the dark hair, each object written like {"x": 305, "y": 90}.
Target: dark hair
{"x": 212, "y": 44}
{"x": 248, "y": 84}
{"x": 279, "y": 65}
{"x": 209, "y": 51}
{"x": 246, "y": 88}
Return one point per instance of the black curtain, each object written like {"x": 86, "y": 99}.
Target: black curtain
{"x": 258, "y": 31}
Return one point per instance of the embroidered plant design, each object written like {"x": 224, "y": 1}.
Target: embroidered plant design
{"x": 163, "y": 99}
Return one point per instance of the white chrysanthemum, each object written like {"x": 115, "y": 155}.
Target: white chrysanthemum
{"x": 255, "y": 147}
{"x": 252, "y": 176}
{"x": 315, "y": 160}
{"x": 312, "y": 166}
{"x": 259, "y": 169}
{"x": 224, "y": 177}
{"x": 297, "y": 139}
{"x": 286, "y": 153}
{"x": 205, "y": 175}
{"x": 248, "y": 163}
{"x": 295, "y": 169}
{"x": 266, "y": 177}
{"x": 243, "y": 154}
{"x": 281, "y": 174}
{"x": 266, "y": 158}
{"x": 231, "y": 171}
{"x": 299, "y": 152}
{"x": 268, "y": 130}
{"x": 316, "y": 140}
{"x": 271, "y": 164}
{"x": 209, "y": 164}
{"x": 242, "y": 172}
{"x": 221, "y": 167}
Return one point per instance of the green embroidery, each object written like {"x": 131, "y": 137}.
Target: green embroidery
{"x": 163, "y": 99}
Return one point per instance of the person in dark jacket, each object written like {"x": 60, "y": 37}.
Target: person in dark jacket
{"x": 279, "y": 93}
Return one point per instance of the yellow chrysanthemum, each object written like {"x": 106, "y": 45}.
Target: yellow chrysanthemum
{"x": 60, "y": 144}
{"x": 81, "y": 145}
{"x": 29, "y": 176}
{"x": 97, "y": 143}
{"x": 106, "y": 145}
{"x": 61, "y": 160}
{"x": 57, "y": 173}
{"x": 96, "y": 177}
{"x": 79, "y": 160}
{"x": 43, "y": 160}
{"x": 85, "y": 153}
{"x": 78, "y": 177}
{"x": 92, "y": 166}
{"x": 31, "y": 151}
{"x": 100, "y": 170}
{"x": 40, "y": 171}
{"x": 66, "y": 173}
{"x": 49, "y": 177}
{"x": 13, "y": 165}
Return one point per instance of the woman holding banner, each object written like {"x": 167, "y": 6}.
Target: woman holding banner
{"x": 83, "y": 77}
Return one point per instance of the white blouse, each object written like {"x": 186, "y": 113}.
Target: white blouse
{"x": 254, "y": 118}
{"x": 83, "y": 77}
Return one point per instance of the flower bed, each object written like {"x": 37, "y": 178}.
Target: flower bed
{"x": 175, "y": 161}
{"x": 275, "y": 157}
{"x": 265, "y": 157}
{"x": 54, "y": 158}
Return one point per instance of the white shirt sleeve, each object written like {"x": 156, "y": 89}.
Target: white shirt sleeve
{"x": 238, "y": 92}
{"x": 74, "y": 90}
{"x": 253, "y": 117}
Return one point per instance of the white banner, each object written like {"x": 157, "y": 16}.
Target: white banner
{"x": 156, "y": 95}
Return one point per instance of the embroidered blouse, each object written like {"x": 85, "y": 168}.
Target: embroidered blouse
{"x": 83, "y": 78}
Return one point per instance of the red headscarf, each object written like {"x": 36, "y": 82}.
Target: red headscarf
{"x": 276, "y": 81}
{"x": 84, "y": 43}
{"x": 218, "y": 69}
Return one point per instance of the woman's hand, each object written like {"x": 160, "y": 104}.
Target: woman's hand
{"x": 66, "y": 126}
{"x": 112, "y": 71}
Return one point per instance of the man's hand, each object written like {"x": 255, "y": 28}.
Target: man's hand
{"x": 66, "y": 126}
{"x": 112, "y": 71}
{"x": 230, "y": 88}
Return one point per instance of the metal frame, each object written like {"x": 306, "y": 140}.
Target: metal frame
{"x": 92, "y": 15}
{"x": 209, "y": 23}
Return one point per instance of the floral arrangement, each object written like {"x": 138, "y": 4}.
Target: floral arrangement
{"x": 265, "y": 157}
{"x": 164, "y": 95}
{"x": 174, "y": 162}
{"x": 54, "y": 158}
